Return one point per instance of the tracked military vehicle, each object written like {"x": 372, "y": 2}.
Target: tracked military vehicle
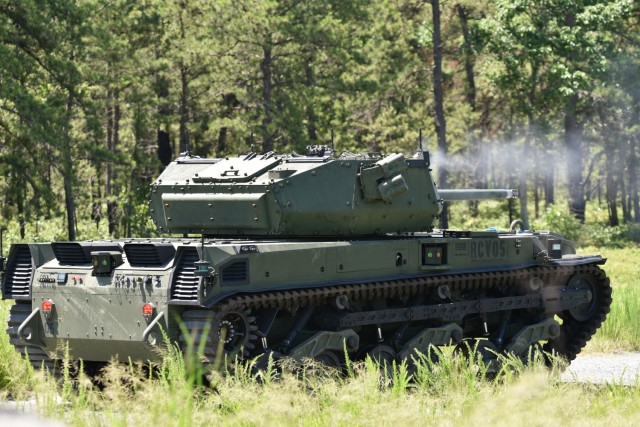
{"x": 303, "y": 256}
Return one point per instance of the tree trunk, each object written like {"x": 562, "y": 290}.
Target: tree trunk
{"x": 184, "y": 110}
{"x": 573, "y": 144}
{"x": 68, "y": 172}
{"x": 549, "y": 181}
{"x": 113, "y": 190}
{"x": 536, "y": 195}
{"x": 132, "y": 176}
{"x": 267, "y": 93}
{"x": 633, "y": 183}
{"x": 524, "y": 175}
{"x": 622, "y": 155}
{"x": 230, "y": 102}
{"x": 108, "y": 189}
{"x": 611, "y": 184}
{"x": 469, "y": 62}
{"x": 633, "y": 169}
{"x": 470, "y": 95}
{"x": 96, "y": 198}
{"x": 438, "y": 94}
{"x": 22, "y": 223}
{"x": 575, "y": 159}
{"x": 312, "y": 118}
{"x": 165, "y": 149}
{"x": 549, "y": 172}
{"x": 221, "y": 146}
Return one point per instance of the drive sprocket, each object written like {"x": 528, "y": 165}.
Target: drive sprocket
{"x": 228, "y": 332}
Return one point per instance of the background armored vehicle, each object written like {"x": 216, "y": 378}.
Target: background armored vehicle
{"x": 304, "y": 256}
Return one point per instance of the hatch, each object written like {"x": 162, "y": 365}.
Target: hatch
{"x": 237, "y": 169}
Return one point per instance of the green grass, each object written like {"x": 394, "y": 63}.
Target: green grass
{"x": 621, "y": 330}
{"x": 449, "y": 393}
{"x": 16, "y": 376}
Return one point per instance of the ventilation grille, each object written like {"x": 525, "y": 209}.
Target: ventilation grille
{"x": 185, "y": 282}
{"x": 460, "y": 248}
{"x": 70, "y": 254}
{"x": 79, "y": 253}
{"x": 17, "y": 279}
{"x": 236, "y": 273}
{"x": 149, "y": 254}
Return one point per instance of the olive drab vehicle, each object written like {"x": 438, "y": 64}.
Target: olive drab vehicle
{"x": 310, "y": 256}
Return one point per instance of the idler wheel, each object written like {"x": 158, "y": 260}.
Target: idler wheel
{"x": 585, "y": 311}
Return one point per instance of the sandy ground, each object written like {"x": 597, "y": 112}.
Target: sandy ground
{"x": 22, "y": 414}
{"x": 615, "y": 368}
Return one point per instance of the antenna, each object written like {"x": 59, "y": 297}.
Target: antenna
{"x": 251, "y": 142}
{"x": 424, "y": 154}
{"x": 203, "y": 268}
{"x": 187, "y": 147}
{"x": 333, "y": 149}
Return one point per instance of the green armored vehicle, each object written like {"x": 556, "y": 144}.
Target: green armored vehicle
{"x": 303, "y": 256}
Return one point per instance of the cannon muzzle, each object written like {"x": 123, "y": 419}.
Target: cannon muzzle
{"x": 498, "y": 193}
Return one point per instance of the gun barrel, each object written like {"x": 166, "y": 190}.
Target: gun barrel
{"x": 474, "y": 194}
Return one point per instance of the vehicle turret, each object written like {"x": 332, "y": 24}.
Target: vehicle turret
{"x": 291, "y": 195}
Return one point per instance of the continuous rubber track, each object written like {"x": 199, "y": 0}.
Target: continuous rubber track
{"x": 573, "y": 336}
{"x": 18, "y": 313}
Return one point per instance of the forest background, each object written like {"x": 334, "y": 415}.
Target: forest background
{"x": 97, "y": 95}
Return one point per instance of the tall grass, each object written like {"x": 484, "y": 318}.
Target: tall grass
{"x": 447, "y": 393}
{"x": 450, "y": 392}
{"x": 621, "y": 330}
{"x": 16, "y": 376}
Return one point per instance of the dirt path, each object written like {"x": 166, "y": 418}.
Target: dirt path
{"x": 613, "y": 368}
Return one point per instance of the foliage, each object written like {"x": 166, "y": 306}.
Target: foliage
{"x": 621, "y": 329}
{"x": 449, "y": 392}
{"x": 560, "y": 222}
{"x": 96, "y": 94}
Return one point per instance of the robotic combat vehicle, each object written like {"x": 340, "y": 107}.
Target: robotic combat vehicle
{"x": 304, "y": 256}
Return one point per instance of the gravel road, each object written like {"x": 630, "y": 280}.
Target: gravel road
{"x": 612, "y": 368}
